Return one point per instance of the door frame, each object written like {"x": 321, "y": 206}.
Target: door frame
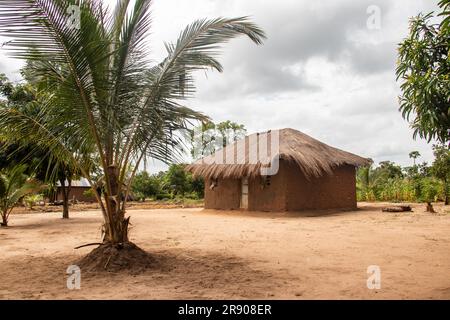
{"x": 244, "y": 194}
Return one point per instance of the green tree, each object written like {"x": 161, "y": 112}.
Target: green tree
{"x": 14, "y": 185}
{"x": 230, "y": 131}
{"x": 441, "y": 168}
{"x": 177, "y": 179}
{"x": 196, "y": 185}
{"x": 146, "y": 185}
{"x": 414, "y": 155}
{"x": 210, "y": 137}
{"x": 424, "y": 71}
{"x": 25, "y": 98}
{"x": 105, "y": 93}
{"x": 201, "y": 139}
{"x": 388, "y": 169}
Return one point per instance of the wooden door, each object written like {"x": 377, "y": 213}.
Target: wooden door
{"x": 244, "y": 193}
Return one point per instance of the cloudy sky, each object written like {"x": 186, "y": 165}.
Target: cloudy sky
{"x": 327, "y": 69}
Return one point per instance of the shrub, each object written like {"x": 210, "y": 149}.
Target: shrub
{"x": 139, "y": 196}
{"x": 32, "y": 200}
{"x": 163, "y": 196}
{"x": 89, "y": 193}
{"x": 431, "y": 190}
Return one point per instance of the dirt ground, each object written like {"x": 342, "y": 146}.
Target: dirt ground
{"x": 233, "y": 255}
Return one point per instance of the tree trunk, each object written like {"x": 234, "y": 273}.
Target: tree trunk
{"x": 65, "y": 193}
{"x": 4, "y": 220}
{"x": 116, "y": 229}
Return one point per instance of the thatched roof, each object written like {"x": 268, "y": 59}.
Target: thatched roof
{"x": 312, "y": 156}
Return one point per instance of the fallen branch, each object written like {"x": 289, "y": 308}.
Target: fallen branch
{"x": 397, "y": 209}
{"x": 89, "y": 244}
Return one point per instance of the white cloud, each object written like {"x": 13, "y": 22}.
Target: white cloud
{"x": 321, "y": 71}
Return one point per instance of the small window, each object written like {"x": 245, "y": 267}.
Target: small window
{"x": 214, "y": 184}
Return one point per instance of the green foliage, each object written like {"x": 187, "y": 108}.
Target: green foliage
{"x": 25, "y": 98}
{"x": 163, "y": 196}
{"x": 230, "y": 131}
{"x": 431, "y": 189}
{"x": 176, "y": 179}
{"x": 32, "y": 200}
{"x": 414, "y": 155}
{"x": 441, "y": 168}
{"x": 215, "y": 136}
{"x": 89, "y": 193}
{"x": 146, "y": 186}
{"x": 424, "y": 70}
{"x": 139, "y": 196}
{"x": 14, "y": 185}
{"x": 390, "y": 182}
{"x": 175, "y": 182}
{"x": 107, "y": 102}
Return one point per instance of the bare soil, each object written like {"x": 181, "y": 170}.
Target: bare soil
{"x": 231, "y": 255}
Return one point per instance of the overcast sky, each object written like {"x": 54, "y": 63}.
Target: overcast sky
{"x": 322, "y": 70}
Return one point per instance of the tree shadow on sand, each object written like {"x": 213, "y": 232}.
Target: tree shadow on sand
{"x": 174, "y": 274}
{"x": 52, "y": 223}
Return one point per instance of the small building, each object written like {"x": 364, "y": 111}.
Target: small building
{"x": 77, "y": 191}
{"x": 279, "y": 170}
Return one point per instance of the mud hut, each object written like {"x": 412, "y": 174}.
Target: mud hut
{"x": 77, "y": 191}
{"x": 279, "y": 170}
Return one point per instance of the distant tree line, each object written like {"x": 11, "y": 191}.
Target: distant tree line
{"x": 417, "y": 183}
{"x": 176, "y": 182}
{"x": 29, "y": 173}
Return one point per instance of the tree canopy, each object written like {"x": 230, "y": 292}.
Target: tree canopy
{"x": 424, "y": 71}
{"x": 106, "y": 101}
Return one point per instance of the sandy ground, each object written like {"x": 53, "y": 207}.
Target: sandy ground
{"x": 233, "y": 255}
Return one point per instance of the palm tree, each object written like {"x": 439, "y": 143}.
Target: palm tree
{"x": 14, "y": 185}
{"x": 104, "y": 91}
{"x": 414, "y": 155}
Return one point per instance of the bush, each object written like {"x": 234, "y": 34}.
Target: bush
{"x": 163, "y": 196}
{"x": 431, "y": 190}
{"x": 32, "y": 200}
{"x": 175, "y": 182}
{"x": 146, "y": 185}
{"x": 138, "y": 196}
{"x": 191, "y": 195}
{"x": 89, "y": 193}
{"x": 388, "y": 183}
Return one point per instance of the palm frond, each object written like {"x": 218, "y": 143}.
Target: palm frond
{"x": 196, "y": 49}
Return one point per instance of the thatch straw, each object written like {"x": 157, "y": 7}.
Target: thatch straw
{"x": 312, "y": 156}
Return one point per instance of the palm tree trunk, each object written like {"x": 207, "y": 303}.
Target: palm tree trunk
{"x": 65, "y": 193}
{"x": 116, "y": 229}
{"x": 4, "y": 219}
